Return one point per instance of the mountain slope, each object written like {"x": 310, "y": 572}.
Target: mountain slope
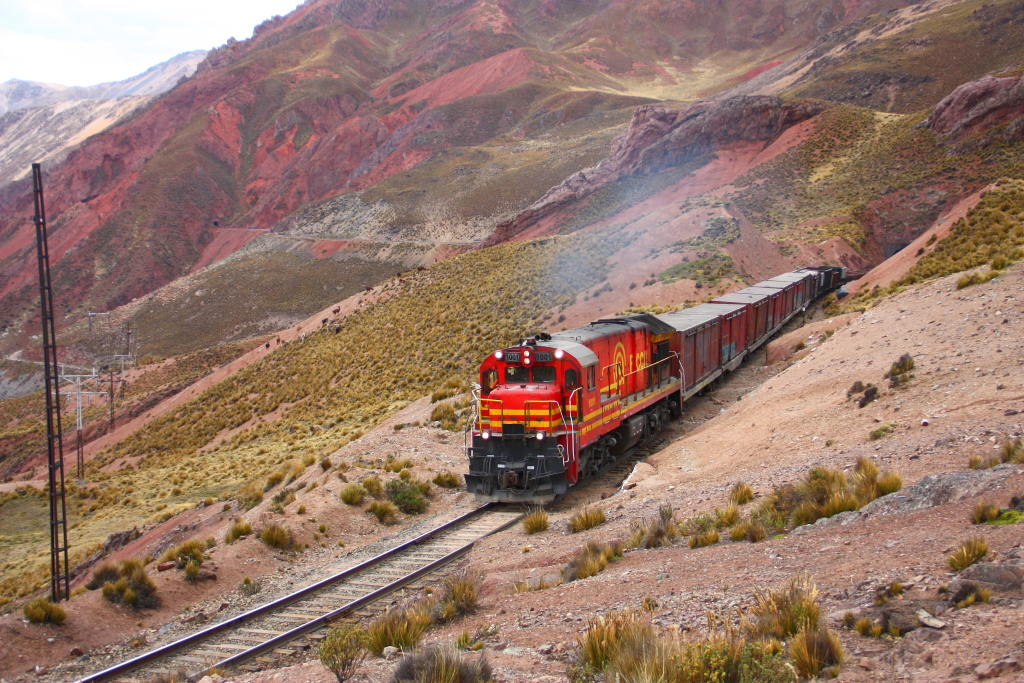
{"x": 350, "y": 97}
{"x": 17, "y": 94}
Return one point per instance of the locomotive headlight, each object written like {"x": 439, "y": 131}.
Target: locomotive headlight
{"x": 527, "y": 361}
{"x": 559, "y": 354}
{"x": 499, "y": 354}
{"x": 486, "y": 434}
{"x": 540, "y": 436}
{"x": 526, "y": 353}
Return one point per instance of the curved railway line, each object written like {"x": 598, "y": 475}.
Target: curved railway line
{"x": 294, "y": 622}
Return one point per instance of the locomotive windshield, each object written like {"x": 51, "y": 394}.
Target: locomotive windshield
{"x": 542, "y": 374}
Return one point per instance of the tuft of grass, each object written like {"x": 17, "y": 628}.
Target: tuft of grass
{"x": 783, "y": 613}
{"x": 384, "y": 510}
{"x": 1012, "y": 451}
{"x": 985, "y": 511}
{"x": 591, "y": 560}
{"x": 189, "y": 551}
{"x": 392, "y": 464}
{"x": 248, "y": 587}
{"x": 741, "y": 493}
{"x": 739, "y": 532}
{"x": 587, "y": 518}
{"x": 815, "y": 650}
{"x": 447, "y": 480}
{"x": 889, "y": 482}
{"x": 442, "y": 664}
{"x": 343, "y": 650}
{"x": 192, "y": 570}
{"x": 863, "y": 626}
{"x": 277, "y": 536}
{"x": 705, "y": 539}
{"x": 41, "y": 610}
{"x": 374, "y": 486}
{"x": 970, "y": 551}
{"x": 239, "y": 529}
{"x": 353, "y": 494}
{"x": 535, "y": 521}
{"x": 655, "y": 532}
{"x": 458, "y": 596}
{"x": 400, "y": 627}
{"x": 727, "y": 517}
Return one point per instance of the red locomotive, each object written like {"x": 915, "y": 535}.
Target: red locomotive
{"x": 560, "y": 407}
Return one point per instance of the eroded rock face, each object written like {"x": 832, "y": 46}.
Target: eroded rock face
{"x": 661, "y": 137}
{"x": 979, "y": 105}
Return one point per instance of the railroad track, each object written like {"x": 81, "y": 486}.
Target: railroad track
{"x": 295, "y": 622}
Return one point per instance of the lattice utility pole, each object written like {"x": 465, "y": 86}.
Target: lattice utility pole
{"x": 59, "y": 570}
{"x": 80, "y": 439}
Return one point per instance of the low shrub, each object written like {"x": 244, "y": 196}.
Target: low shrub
{"x": 400, "y": 627}
{"x": 192, "y": 570}
{"x": 442, "y": 664}
{"x": 104, "y": 573}
{"x": 587, "y": 518}
{"x": 384, "y": 510}
{"x": 239, "y": 529}
{"x": 248, "y": 587}
{"x": 343, "y": 650}
{"x": 970, "y": 551}
{"x": 353, "y": 494}
{"x": 133, "y": 586}
{"x": 41, "y": 610}
{"x": 535, "y": 521}
{"x": 407, "y": 496}
{"x": 277, "y": 536}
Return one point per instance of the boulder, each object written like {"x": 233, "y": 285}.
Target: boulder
{"x": 900, "y": 615}
{"x": 999, "y": 577}
{"x": 1000, "y": 667}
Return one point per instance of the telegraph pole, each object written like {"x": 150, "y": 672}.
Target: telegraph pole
{"x": 59, "y": 570}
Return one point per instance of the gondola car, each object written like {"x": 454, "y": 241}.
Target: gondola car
{"x": 560, "y": 407}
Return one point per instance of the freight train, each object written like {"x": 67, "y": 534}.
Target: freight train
{"x": 561, "y": 407}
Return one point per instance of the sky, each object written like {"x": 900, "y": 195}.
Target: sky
{"x": 85, "y": 42}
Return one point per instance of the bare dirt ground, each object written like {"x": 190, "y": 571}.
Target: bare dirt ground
{"x": 765, "y": 425}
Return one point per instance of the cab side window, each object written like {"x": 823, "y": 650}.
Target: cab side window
{"x": 572, "y": 379}
{"x": 490, "y": 379}
{"x": 592, "y": 377}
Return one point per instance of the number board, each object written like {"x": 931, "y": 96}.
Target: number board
{"x": 512, "y": 356}
{"x": 543, "y": 356}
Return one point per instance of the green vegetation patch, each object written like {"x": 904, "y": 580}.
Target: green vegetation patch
{"x": 706, "y": 270}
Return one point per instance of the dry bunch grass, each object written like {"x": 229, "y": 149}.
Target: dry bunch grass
{"x": 535, "y": 521}
{"x": 970, "y": 551}
{"x": 400, "y": 627}
{"x": 587, "y": 518}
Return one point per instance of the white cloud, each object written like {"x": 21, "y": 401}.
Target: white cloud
{"x": 84, "y": 42}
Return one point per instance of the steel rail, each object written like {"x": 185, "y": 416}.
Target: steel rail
{"x": 274, "y": 605}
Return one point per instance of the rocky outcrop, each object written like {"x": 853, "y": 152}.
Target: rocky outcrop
{"x": 980, "y": 105}
{"x": 661, "y": 137}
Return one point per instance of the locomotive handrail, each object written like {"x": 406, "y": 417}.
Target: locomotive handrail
{"x": 490, "y": 418}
